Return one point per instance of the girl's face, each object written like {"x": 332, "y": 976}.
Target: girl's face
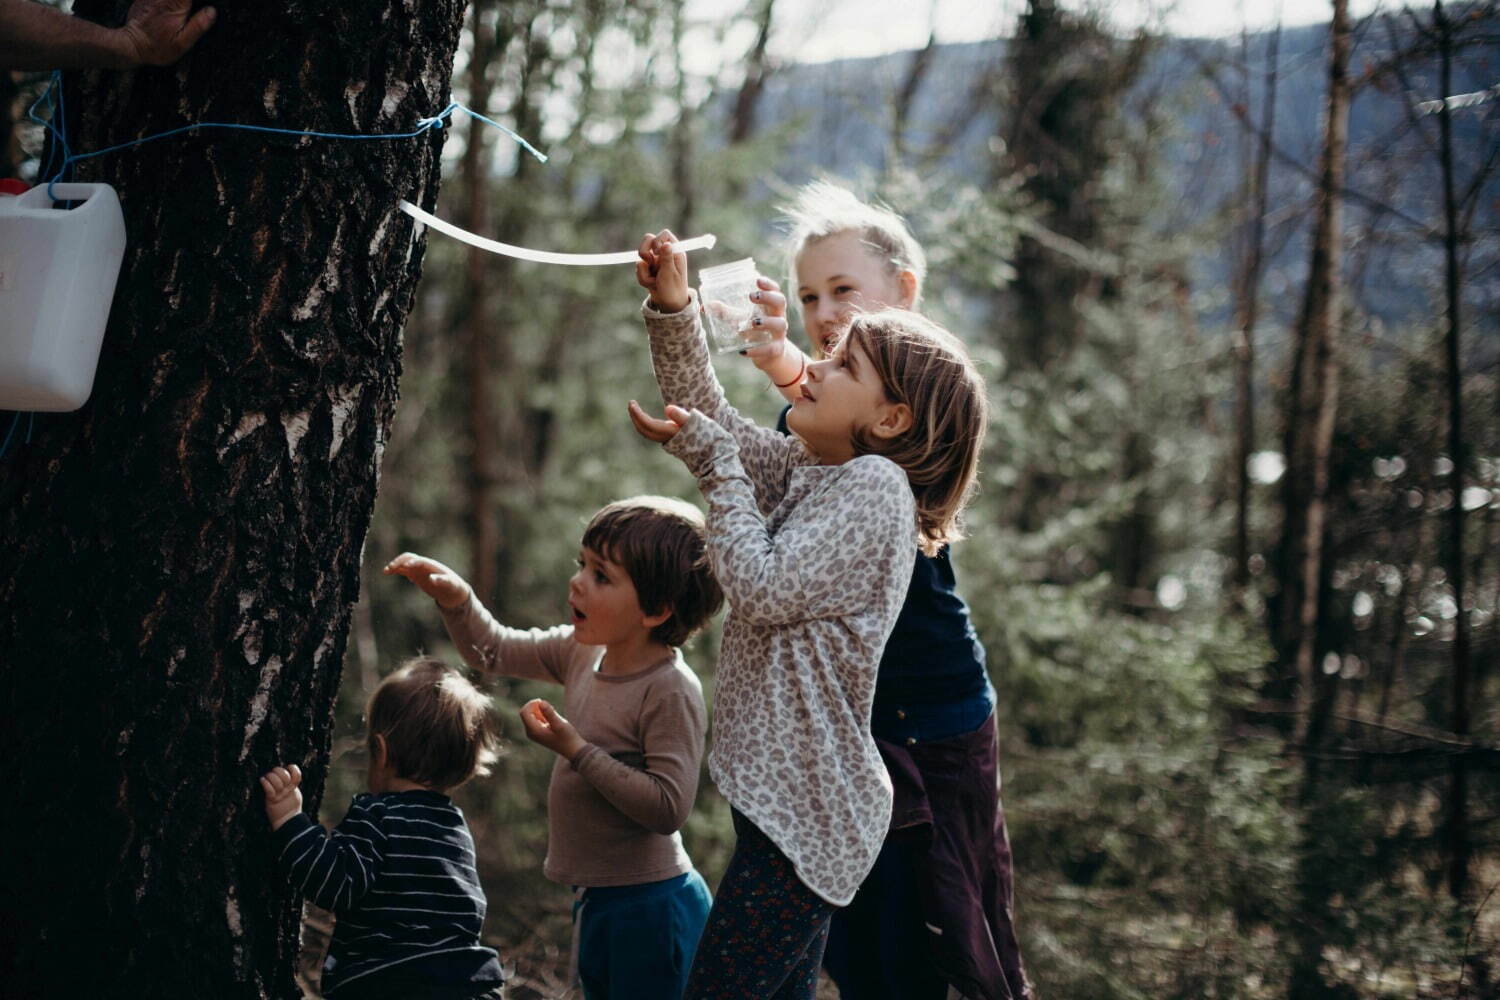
{"x": 838, "y": 276}
{"x": 843, "y": 394}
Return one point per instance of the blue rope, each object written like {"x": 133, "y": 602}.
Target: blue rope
{"x": 56, "y": 125}
{"x": 14, "y": 423}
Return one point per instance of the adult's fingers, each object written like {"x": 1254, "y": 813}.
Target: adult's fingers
{"x": 196, "y": 26}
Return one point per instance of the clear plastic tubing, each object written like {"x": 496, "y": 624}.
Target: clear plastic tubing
{"x": 704, "y": 242}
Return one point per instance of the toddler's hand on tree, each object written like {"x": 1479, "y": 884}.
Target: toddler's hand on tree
{"x": 437, "y": 581}
{"x": 656, "y": 429}
{"x": 662, "y": 271}
{"x": 283, "y": 794}
{"x": 546, "y": 728}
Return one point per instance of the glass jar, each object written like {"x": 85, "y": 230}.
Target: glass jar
{"x": 724, "y": 294}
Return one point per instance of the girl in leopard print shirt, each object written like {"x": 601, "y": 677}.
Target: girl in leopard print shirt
{"x": 812, "y": 539}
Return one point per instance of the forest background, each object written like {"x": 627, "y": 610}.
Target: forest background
{"x": 1234, "y": 557}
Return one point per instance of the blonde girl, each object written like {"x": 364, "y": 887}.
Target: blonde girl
{"x": 937, "y": 909}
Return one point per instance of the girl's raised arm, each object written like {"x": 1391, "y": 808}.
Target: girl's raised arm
{"x": 685, "y": 375}
{"x": 819, "y": 565}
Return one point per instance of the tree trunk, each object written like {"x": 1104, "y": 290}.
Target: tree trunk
{"x": 1309, "y": 437}
{"x": 1314, "y": 400}
{"x": 916, "y": 73}
{"x": 742, "y": 120}
{"x": 484, "y": 476}
{"x": 1246, "y": 314}
{"x": 1458, "y": 798}
{"x": 182, "y": 554}
{"x": 682, "y": 133}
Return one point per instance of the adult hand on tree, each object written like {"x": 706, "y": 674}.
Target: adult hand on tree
{"x": 159, "y": 32}
{"x": 155, "y": 33}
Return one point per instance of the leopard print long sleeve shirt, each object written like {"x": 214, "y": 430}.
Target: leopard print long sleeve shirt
{"x": 814, "y": 561}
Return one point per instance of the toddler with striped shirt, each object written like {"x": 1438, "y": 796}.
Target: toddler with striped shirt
{"x": 399, "y": 870}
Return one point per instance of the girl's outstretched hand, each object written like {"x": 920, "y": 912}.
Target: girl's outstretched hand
{"x": 546, "y": 728}
{"x": 654, "y": 428}
{"x": 283, "y": 795}
{"x": 434, "y": 579}
{"x": 662, "y": 271}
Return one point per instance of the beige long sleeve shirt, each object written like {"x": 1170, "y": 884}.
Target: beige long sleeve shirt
{"x": 814, "y": 561}
{"x": 614, "y": 810}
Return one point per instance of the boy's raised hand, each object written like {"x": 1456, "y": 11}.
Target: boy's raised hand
{"x": 662, "y": 271}
{"x": 546, "y": 728}
{"x": 656, "y": 429}
{"x": 437, "y": 581}
{"x": 283, "y": 794}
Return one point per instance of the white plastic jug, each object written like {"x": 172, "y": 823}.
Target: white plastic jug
{"x": 58, "y": 268}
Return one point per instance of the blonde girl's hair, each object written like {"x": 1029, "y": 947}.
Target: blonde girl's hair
{"x": 438, "y": 728}
{"x": 821, "y": 210}
{"x": 927, "y": 368}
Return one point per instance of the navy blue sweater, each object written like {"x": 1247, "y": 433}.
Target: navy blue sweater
{"x": 399, "y": 874}
{"x": 932, "y": 682}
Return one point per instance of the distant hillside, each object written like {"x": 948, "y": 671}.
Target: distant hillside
{"x": 839, "y": 115}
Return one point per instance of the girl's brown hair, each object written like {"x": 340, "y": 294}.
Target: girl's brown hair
{"x": 927, "y": 368}
{"x": 437, "y": 726}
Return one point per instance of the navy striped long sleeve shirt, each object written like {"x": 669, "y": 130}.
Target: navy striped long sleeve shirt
{"x": 399, "y": 872}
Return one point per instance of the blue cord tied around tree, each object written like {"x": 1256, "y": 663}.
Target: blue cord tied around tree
{"x": 55, "y": 124}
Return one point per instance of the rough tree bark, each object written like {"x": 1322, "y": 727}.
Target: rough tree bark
{"x": 181, "y": 555}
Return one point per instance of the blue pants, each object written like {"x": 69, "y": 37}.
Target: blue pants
{"x": 636, "y": 942}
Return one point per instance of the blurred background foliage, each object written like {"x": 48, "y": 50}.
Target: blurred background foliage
{"x": 1085, "y": 198}
{"x": 1191, "y": 815}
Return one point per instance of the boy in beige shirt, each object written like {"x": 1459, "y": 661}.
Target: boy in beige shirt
{"x": 631, "y": 743}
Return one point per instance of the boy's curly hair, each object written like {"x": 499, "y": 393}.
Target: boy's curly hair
{"x": 929, "y": 369}
{"x": 438, "y": 728}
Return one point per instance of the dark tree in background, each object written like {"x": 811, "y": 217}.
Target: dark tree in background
{"x": 182, "y": 554}
{"x": 1312, "y": 405}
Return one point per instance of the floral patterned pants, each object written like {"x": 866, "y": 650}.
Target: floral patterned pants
{"x": 766, "y": 931}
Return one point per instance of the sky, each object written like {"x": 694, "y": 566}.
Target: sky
{"x": 820, "y": 30}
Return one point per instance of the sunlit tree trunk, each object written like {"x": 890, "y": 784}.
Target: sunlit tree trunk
{"x": 182, "y": 554}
